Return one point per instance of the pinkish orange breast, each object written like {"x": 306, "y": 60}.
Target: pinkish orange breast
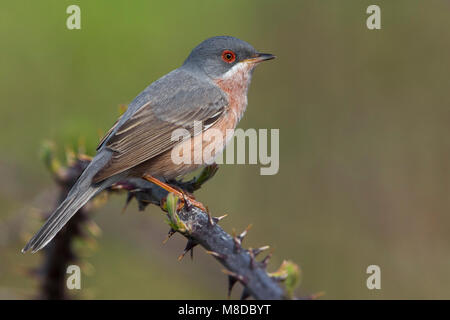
{"x": 235, "y": 84}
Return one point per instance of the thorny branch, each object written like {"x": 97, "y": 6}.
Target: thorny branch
{"x": 202, "y": 229}
{"x": 198, "y": 226}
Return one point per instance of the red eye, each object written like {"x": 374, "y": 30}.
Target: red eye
{"x": 228, "y": 56}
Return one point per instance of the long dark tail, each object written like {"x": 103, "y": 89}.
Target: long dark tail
{"x": 59, "y": 218}
{"x": 80, "y": 193}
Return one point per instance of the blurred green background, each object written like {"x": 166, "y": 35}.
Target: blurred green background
{"x": 364, "y": 140}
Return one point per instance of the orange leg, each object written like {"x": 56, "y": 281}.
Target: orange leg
{"x": 181, "y": 195}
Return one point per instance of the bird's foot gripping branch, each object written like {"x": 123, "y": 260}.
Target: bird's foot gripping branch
{"x": 197, "y": 225}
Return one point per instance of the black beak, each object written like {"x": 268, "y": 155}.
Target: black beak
{"x": 260, "y": 57}
{"x": 264, "y": 57}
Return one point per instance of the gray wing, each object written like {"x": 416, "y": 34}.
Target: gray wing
{"x": 144, "y": 131}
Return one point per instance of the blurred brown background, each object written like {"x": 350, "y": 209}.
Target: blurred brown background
{"x": 364, "y": 140}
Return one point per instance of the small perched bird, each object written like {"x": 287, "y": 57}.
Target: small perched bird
{"x": 211, "y": 87}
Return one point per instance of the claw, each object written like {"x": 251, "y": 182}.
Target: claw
{"x": 187, "y": 203}
{"x": 181, "y": 194}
